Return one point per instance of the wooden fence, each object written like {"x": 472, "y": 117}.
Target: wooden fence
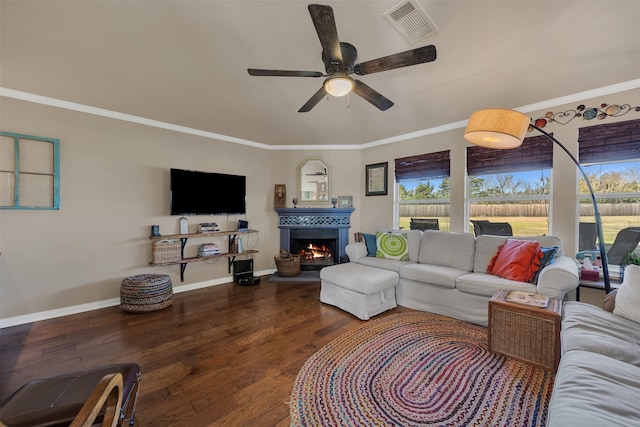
{"x": 512, "y": 210}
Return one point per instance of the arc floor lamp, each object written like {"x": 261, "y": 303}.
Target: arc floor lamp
{"x": 504, "y": 129}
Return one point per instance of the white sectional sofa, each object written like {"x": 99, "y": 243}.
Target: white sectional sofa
{"x": 447, "y": 272}
{"x": 598, "y": 380}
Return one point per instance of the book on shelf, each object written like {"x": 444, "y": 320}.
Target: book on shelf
{"x": 527, "y": 298}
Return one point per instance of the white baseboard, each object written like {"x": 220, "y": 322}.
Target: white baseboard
{"x": 81, "y": 308}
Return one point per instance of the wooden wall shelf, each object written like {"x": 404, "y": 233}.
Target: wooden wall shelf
{"x": 230, "y": 256}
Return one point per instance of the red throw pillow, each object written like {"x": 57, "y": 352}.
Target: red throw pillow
{"x": 516, "y": 260}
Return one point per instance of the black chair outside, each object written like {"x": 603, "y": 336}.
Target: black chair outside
{"x": 494, "y": 228}
{"x": 424, "y": 224}
{"x": 587, "y": 236}
{"x": 626, "y": 241}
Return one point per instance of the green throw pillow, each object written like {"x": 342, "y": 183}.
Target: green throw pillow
{"x": 392, "y": 246}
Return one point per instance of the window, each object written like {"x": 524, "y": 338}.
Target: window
{"x": 423, "y": 190}
{"x": 610, "y": 155}
{"x": 29, "y": 172}
{"x": 511, "y": 186}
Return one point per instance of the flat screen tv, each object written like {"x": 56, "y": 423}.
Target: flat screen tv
{"x": 207, "y": 193}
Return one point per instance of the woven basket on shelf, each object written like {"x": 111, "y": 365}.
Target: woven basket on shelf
{"x": 288, "y": 265}
{"x": 165, "y": 251}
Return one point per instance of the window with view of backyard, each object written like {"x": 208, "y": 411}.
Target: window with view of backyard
{"x": 509, "y": 191}
{"x": 522, "y": 199}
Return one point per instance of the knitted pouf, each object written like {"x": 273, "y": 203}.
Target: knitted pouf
{"x": 146, "y": 292}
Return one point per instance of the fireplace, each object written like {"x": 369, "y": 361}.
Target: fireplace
{"x": 318, "y": 235}
{"x": 317, "y": 247}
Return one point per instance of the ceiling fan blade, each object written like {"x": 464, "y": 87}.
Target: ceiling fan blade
{"x": 372, "y": 96}
{"x": 283, "y": 73}
{"x": 323, "y": 20}
{"x": 313, "y": 100}
{"x": 398, "y": 60}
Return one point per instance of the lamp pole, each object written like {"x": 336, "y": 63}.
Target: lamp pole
{"x": 596, "y": 212}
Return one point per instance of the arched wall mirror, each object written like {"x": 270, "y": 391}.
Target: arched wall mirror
{"x": 314, "y": 180}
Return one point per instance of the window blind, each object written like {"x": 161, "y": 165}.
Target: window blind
{"x": 609, "y": 142}
{"x": 423, "y": 166}
{"x": 535, "y": 153}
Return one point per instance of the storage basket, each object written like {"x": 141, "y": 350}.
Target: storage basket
{"x": 288, "y": 266}
{"x": 146, "y": 292}
{"x": 165, "y": 251}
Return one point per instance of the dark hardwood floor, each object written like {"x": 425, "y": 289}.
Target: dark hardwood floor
{"x": 221, "y": 356}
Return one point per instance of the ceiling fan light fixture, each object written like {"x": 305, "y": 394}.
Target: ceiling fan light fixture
{"x": 338, "y": 85}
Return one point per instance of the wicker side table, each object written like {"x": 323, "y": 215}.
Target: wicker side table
{"x": 530, "y": 334}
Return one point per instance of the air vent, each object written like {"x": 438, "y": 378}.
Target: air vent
{"x": 411, "y": 21}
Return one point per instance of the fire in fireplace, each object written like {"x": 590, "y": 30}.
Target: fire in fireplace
{"x": 315, "y": 253}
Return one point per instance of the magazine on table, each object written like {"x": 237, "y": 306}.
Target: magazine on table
{"x": 527, "y": 298}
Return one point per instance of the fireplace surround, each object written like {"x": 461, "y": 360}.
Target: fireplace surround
{"x": 325, "y": 228}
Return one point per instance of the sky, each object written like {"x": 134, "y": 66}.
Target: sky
{"x": 534, "y": 176}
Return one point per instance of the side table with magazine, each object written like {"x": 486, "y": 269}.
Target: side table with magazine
{"x": 525, "y": 326}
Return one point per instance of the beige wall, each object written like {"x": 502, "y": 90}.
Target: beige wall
{"x": 378, "y": 210}
{"x": 115, "y": 184}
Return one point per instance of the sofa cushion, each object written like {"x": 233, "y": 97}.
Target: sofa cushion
{"x": 447, "y": 249}
{"x": 548, "y": 255}
{"x": 590, "y": 328}
{"x": 487, "y": 247}
{"x": 370, "y": 243}
{"x": 413, "y": 237}
{"x": 359, "y": 278}
{"x": 516, "y": 260}
{"x": 487, "y": 284}
{"x": 392, "y": 246}
{"x": 432, "y": 274}
{"x": 594, "y": 390}
{"x": 385, "y": 264}
{"x": 628, "y": 296}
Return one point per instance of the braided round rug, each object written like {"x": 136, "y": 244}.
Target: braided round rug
{"x": 417, "y": 369}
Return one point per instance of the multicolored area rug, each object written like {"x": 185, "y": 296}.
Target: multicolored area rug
{"x": 417, "y": 369}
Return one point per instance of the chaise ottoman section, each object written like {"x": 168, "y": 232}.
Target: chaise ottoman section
{"x": 358, "y": 289}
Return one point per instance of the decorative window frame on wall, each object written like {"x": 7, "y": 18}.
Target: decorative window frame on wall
{"x": 29, "y": 172}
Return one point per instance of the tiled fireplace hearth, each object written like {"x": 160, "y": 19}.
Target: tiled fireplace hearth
{"x": 319, "y": 235}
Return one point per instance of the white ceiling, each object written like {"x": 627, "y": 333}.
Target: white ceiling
{"x": 184, "y": 62}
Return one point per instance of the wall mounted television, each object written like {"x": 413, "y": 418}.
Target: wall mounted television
{"x": 207, "y": 193}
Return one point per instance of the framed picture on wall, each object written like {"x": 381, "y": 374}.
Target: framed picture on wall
{"x": 345, "y": 201}
{"x": 376, "y": 179}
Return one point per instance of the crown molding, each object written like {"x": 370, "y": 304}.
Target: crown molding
{"x": 53, "y": 102}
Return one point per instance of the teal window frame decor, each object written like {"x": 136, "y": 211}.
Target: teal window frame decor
{"x": 17, "y": 173}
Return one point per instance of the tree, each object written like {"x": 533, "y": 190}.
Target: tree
{"x": 444, "y": 191}
{"x": 424, "y": 191}
{"x": 404, "y": 193}
{"x": 477, "y": 187}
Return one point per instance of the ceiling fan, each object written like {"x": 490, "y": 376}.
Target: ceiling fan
{"x": 339, "y": 62}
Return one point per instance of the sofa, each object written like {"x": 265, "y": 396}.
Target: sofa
{"x": 598, "y": 379}
{"x": 446, "y": 272}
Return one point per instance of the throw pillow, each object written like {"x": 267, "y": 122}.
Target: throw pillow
{"x": 548, "y": 255}
{"x": 392, "y": 246}
{"x": 628, "y": 296}
{"x": 370, "y": 242}
{"x": 516, "y": 260}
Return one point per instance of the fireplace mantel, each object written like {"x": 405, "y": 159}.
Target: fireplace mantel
{"x": 315, "y": 218}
